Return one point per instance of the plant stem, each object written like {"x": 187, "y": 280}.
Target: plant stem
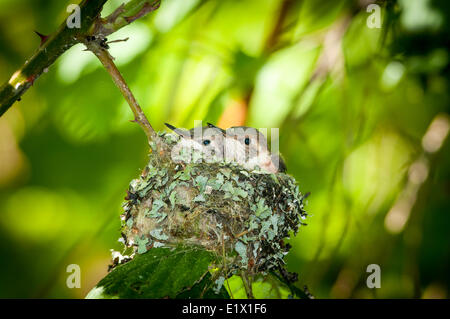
{"x": 55, "y": 45}
{"x": 105, "y": 58}
{"x": 247, "y": 284}
{"x": 225, "y": 266}
{"x": 64, "y": 38}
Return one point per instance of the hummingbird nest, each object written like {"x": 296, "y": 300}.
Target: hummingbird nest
{"x": 241, "y": 215}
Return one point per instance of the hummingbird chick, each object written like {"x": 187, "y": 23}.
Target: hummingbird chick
{"x": 243, "y": 145}
{"x": 251, "y": 149}
{"x": 207, "y": 141}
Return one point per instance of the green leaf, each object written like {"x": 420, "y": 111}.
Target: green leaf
{"x": 205, "y": 289}
{"x": 159, "y": 273}
{"x": 263, "y": 287}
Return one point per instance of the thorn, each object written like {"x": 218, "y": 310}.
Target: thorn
{"x": 42, "y": 36}
{"x": 31, "y": 79}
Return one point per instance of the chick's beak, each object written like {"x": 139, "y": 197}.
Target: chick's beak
{"x": 180, "y": 132}
{"x": 216, "y": 127}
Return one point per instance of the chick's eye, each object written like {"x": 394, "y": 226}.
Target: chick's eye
{"x": 206, "y": 142}
{"x": 247, "y": 141}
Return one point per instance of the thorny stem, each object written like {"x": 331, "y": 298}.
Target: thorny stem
{"x": 64, "y": 38}
{"x": 50, "y": 49}
{"x": 105, "y": 58}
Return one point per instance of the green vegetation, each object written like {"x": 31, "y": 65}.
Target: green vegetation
{"x": 363, "y": 122}
{"x": 159, "y": 273}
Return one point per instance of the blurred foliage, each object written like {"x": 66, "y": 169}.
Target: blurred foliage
{"x": 362, "y": 113}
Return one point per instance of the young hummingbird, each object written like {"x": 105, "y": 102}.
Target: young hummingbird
{"x": 247, "y": 146}
{"x": 240, "y": 144}
{"x": 209, "y": 141}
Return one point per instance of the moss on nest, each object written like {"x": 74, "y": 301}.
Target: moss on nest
{"x": 222, "y": 207}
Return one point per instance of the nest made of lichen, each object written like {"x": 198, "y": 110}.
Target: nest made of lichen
{"x": 219, "y": 206}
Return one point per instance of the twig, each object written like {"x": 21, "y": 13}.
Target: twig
{"x": 124, "y": 15}
{"x": 247, "y": 284}
{"x": 225, "y": 267}
{"x": 64, "y": 38}
{"x": 242, "y": 234}
{"x": 95, "y": 46}
{"x": 50, "y": 49}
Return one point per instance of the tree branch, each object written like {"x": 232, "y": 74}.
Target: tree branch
{"x": 64, "y": 38}
{"x": 96, "y": 47}
{"x": 51, "y": 48}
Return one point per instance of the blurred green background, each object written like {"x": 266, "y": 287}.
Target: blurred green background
{"x": 362, "y": 113}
